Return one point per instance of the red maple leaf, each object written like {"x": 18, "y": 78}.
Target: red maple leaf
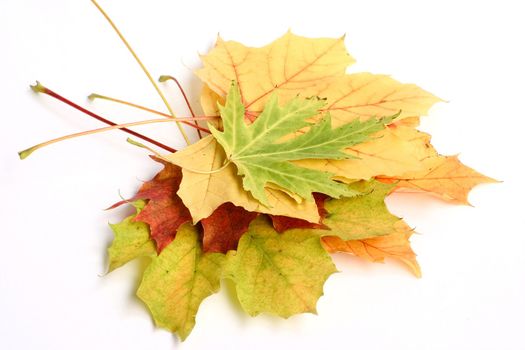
{"x": 165, "y": 211}
{"x": 224, "y": 228}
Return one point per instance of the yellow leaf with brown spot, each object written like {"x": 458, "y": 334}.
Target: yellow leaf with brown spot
{"x": 395, "y": 245}
{"x": 203, "y": 193}
{"x": 445, "y": 176}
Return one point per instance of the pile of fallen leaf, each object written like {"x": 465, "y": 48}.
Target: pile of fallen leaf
{"x": 298, "y": 166}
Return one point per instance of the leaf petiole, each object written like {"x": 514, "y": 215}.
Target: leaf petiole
{"x": 39, "y": 88}
{"x": 164, "y": 78}
{"x": 144, "y": 69}
{"x": 25, "y": 153}
{"x": 134, "y": 105}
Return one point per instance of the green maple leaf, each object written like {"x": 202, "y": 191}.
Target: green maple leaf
{"x": 262, "y": 157}
{"x": 281, "y": 274}
{"x": 175, "y": 283}
{"x": 132, "y": 240}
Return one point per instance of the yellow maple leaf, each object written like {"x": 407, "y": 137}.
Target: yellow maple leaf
{"x": 294, "y": 65}
{"x": 203, "y": 193}
{"x": 445, "y": 176}
{"x": 289, "y": 65}
{"x": 395, "y": 245}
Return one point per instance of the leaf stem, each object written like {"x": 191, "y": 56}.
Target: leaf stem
{"x": 164, "y": 78}
{"x": 25, "y": 153}
{"x": 134, "y": 105}
{"x": 144, "y": 69}
{"x": 42, "y": 89}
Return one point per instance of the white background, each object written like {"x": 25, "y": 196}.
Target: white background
{"x": 54, "y": 234}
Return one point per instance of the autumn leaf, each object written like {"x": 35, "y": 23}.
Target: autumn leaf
{"x": 445, "y": 176}
{"x": 283, "y": 223}
{"x": 395, "y": 245}
{"x": 388, "y": 153}
{"x": 288, "y": 66}
{"x": 281, "y": 274}
{"x": 132, "y": 240}
{"x": 294, "y": 65}
{"x": 260, "y": 159}
{"x": 164, "y": 212}
{"x": 362, "y": 216}
{"x": 176, "y": 281}
{"x": 223, "y": 229}
{"x": 203, "y": 193}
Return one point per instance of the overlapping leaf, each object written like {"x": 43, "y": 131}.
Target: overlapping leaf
{"x": 132, "y": 240}
{"x": 261, "y": 159}
{"x": 281, "y": 274}
{"x": 176, "y": 282}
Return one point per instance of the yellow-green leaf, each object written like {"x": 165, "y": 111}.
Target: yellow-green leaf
{"x": 362, "y": 216}
{"x": 176, "y": 282}
{"x": 281, "y": 274}
{"x": 132, "y": 240}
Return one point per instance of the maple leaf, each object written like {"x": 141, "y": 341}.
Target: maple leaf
{"x": 203, "y": 193}
{"x": 390, "y": 152}
{"x": 444, "y": 176}
{"x": 293, "y": 65}
{"x": 177, "y": 280}
{"x": 224, "y": 228}
{"x": 261, "y": 159}
{"x": 395, "y": 245}
{"x": 132, "y": 240}
{"x": 362, "y": 216}
{"x": 165, "y": 211}
{"x": 281, "y": 274}
{"x": 290, "y": 65}
{"x": 283, "y": 223}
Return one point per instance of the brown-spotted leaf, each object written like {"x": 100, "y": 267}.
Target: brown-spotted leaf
{"x": 224, "y": 228}
{"x": 395, "y": 245}
{"x": 446, "y": 177}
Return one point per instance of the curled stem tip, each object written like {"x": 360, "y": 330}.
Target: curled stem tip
{"x": 37, "y": 87}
